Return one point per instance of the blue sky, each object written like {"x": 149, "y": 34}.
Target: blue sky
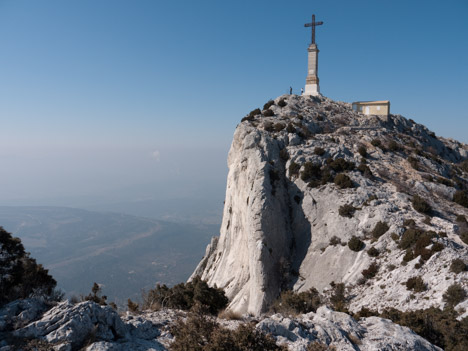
{"x": 122, "y": 100}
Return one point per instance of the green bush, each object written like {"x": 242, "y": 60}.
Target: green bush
{"x": 201, "y": 333}
{"x": 461, "y": 198}
{"x": 439, "y": 327}
{"x": 319, "y": 151}
{"x": 362, "y": 151}
{"x": 454, "y": 295}
{"x": 457, "y": 266}
{"x": 334, "y": 240}
{"x": 284, "y": 154}
{"x": 185, "y": 296}
{"x": 268, "y": 126}
{"x": 464, "y": 237}
{"x": 464, "y": 165}
{"x": 347, "y": 210}
{"x": 420, "y": 205}
{"x": 340, "y": 164}
{"x": 268, "y": 104}
{"x": 282, "y": 103}
{"x": 373, "y": 252}
{"x": 278, "y": 127}
{"x": 294, "y": 169}
{"x": 21, "y": 275}
{"x": 290, "y": 302}
{"x": 355, "y": 244}
{"x": 413, "y": 161}
{"x": 365, "y": 171}
{"x": 461, "y": 219}
{"x": 343, "y": 181}
{"x": 409, "y": 237}
{"x": 371, "y": 271}
{"x": 416, "y": 284}
{"x": 268, "y": 113}
{"x": 290, "y": 128}
{"x": 393, "y": 146}
{"x": 380, "y": 229}
{"x": 338, "y": 298}
{"x": 311, "y": 171}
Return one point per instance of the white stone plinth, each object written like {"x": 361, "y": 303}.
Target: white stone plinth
{"x": 312, "y": 89}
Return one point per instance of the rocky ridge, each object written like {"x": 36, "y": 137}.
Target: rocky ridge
{"x": 282, "y": 228}
{"x": 92, "y": 327}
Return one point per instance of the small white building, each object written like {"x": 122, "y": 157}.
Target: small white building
{"x": 372, "y": 107}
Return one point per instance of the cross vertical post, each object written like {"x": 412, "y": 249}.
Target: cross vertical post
{"x": 313, "y": 24}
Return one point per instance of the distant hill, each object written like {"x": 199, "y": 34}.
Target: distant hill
{"x": 123, "y": 253}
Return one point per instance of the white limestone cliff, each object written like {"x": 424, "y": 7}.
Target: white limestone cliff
{"x": 276, "y": 230}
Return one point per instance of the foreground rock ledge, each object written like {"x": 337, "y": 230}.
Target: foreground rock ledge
{"x": 67, "y": 326}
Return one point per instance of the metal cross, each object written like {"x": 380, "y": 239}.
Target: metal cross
{"x": 313, "y": 24}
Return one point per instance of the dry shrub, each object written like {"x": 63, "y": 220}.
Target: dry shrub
{"x": 291, "y": 302}
{"x": 202, "y": 333}
{"x": 380, "y": 229}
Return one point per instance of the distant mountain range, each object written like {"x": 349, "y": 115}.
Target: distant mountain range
{"x": 123, "y": 253}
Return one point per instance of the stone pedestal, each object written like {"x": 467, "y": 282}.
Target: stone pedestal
{"x": 312, "y": 81}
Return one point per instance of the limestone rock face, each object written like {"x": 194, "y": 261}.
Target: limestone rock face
{"x": 282, "y": 227}
{"x": 88, "y": 326}
{"x": 342, "y": 331}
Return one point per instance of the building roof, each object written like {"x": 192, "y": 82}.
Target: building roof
{"x": 372, "y": 102}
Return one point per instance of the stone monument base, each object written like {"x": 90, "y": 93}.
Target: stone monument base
{"x": 312, "y": 89}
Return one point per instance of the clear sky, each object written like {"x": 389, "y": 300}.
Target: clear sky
{"x": 121, "y": 100}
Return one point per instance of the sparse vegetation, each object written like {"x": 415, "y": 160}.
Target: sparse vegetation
{"x": 362, "y": 151}
{"x": 282, "y": 103}
{"x": 347, "y": 210}
{"x": 268, "y": 104}
{"x": 454, "y": 295}
{"x": 413, "y": 161}
{"x": 343, "y": 181}
{"x": 294, "y": 169}
{"x": 96, "y": 295}
{"x": 284, "y": 154}
{"x": 186, "y": 296}
{"x": 355, "y": 244}
{"x": 365, "y": 171}
{"x": 290, "y": 302}
{"x": 290, "y": 128}
{"x": 393, "y": 146}
{"x": 268, "y": 126}
{"x": 420, "y": 205}
{"x": 371, "y": 271}
{"x": 376, "y": 142}
{"x": 439, "y": 327}
{"x": 268, "y": 113}
{"x": 278, "y": 127}
{"x": 338, "y": 298}
{"x": 380, "y": 229}
{"x": 311, "y": 171}
{"x": 457, "y": 266}
{"x": 416, "y": 284}
{"x": 373, "y": 252}
{"x": 251, "y": 115}
{"x": 202, "y": 333}
{"x": 461, "y": 198}
{"x": 319, "y": 151}
{"x": 334, "y": 240}
{"x": 132, "y": 306}
{"x": 21, "y": 276}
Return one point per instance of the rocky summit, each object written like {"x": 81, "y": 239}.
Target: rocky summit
{"x": 319, "y": 194}
{"x": 340, "y": 231}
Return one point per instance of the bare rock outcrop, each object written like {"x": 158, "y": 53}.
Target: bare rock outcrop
{"x": 285, "y": 225}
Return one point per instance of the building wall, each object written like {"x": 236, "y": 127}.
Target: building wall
{"x": 372, "y": 109}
